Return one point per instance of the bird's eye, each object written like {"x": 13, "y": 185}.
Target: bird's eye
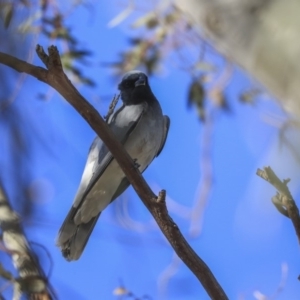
{"x": 128, "y": 84}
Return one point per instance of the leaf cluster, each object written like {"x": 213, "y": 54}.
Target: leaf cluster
{"x": 47, "y": 19}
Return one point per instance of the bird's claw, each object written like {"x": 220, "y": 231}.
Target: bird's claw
{"x": 136, "y": 164}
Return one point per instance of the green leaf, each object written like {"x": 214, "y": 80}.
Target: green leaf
{"x": 79, "y": 53}
{"x": 172, "y": 17}
{"x": 196, "y": 97}
{"x": 88, "y": 81}
{"x": 27, "y": 25}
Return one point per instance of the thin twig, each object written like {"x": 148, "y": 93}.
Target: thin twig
{"x": 283, "y": 200}
{"x": 206, "y": 171}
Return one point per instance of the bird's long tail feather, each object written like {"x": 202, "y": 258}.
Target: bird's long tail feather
{"x": 73, "y": 238}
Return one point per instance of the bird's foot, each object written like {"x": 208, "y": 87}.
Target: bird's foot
{"x": 136, "y": 164}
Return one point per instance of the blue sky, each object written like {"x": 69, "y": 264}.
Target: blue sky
{"x": 244, "y": 240}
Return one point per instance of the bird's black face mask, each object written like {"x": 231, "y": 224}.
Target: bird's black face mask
{"x": 134, "y": 88}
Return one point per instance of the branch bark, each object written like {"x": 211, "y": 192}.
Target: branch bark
{"x": 56, "y": 78}
{"x": 32, "y": 281}
{"x": 283, "y": 200}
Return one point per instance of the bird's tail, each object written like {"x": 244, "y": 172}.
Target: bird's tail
{"x": 72, "y": 238}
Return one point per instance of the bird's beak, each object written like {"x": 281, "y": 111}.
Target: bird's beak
{"x": 140, "y": 81}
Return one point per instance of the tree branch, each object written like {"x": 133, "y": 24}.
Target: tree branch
{"x": 32, "y": 281}
{"x": 56, "y": 78}
{"x": 283, "y": 200}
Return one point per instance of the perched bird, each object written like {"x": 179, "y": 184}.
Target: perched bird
{"x": 142, "y": 129}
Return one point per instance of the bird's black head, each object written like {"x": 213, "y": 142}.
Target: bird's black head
{"x": 135, "y": 88}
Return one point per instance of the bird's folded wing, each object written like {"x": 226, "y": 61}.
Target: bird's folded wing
{"x": 166, "y": 130}
{"x": 97, "y": 149}
{"x": 99, "y": 156}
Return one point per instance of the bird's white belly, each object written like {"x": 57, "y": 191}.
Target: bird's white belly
{"x": 144, "y": 143}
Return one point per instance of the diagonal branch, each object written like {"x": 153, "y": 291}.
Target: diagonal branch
{"x": 32, "y": 281}
{"x": 56, "y": 78}
{"x": 283, "y": 200}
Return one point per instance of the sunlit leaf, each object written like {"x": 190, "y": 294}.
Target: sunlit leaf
{"x": 8, "y": 14}
{"x": 120, "y": 17}
{"x": 27, "y": 25}
{"x": 204, "y": 66}
{"x": 149, "y": 20}
{"x": 160, "y": 34}
{"x": 120, "y": 291}
{"x": 172, "y": 17}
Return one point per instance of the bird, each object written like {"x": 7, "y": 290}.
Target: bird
{"x": 141, "y": 127}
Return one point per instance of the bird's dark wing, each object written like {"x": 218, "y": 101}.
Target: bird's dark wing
{"x": 122, "y": 130}
{"x": 98, "y": 158}
{"x": 166, "y": 131}
{"x": 72, "y": 237}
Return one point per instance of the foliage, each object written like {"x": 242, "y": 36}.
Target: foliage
{"x": 166, "y": 36}
{"x": 46, "y": 18}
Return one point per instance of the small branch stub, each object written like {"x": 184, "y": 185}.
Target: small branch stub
{"x": 52, "y": 60}
{"x": 42, "y": 55}
{"x": 161, "y": 197}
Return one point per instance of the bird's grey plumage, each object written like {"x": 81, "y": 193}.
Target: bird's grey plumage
{"x": 142, "y": 129}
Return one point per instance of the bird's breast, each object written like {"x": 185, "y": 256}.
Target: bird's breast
{"x": 144, "y": 141}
